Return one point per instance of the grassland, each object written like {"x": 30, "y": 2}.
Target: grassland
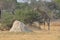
{"x": 53, "y": 34}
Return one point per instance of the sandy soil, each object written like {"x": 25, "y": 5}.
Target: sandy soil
{"x": 53, "y": 34}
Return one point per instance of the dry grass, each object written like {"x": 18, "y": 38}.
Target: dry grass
{"x": 30, "y": 36}
{"x": 53, "y": 34}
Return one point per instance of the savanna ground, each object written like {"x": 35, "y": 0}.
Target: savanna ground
{"x": 53, "y": 34}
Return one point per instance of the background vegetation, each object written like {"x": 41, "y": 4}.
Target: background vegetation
{"x": 25, "y": 13}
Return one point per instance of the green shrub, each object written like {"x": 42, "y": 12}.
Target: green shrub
{"x": 7, "y": 19}
{"x": 20, "y": 14}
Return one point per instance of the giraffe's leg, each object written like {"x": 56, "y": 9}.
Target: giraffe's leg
{"x": 44, "y": 25}
{"x": 0, "y": 14}
{"x": 48, "y": 24}
{"x": 39, "y": 26}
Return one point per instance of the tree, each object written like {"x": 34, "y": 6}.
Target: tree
{"x": 7, "y": 5}
{"x": 42, "y": 9}
{"x": 58, "y": 1}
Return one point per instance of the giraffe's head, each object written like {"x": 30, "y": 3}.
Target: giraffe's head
{"x": 39, "y": 9}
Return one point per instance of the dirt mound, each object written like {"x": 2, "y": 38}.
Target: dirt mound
{"x": 19, "y": 27}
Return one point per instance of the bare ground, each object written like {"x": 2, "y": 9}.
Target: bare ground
{"x": 53, "y": 34}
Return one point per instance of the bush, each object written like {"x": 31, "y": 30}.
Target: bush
{"x": 20, "y": 14}
{"x": 7, "y": 19}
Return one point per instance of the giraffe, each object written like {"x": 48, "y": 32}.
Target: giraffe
{"x": 42, "y": 9}
{"x": 45, "y": 17}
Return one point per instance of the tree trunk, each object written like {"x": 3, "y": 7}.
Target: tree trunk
{"x": 0, "y": 15}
